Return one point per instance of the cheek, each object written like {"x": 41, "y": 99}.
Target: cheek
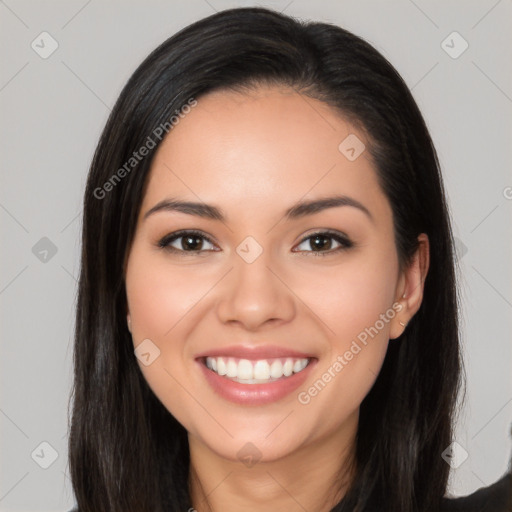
{"x": 158, "y": 299}
{"x": 355, "y": 303}
{"x": 351, "y": 297}
{"x": 159, "y": 296}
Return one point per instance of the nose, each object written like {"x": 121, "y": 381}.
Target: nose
{"x": 255, "y": 294}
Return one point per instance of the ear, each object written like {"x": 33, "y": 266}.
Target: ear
{"x": 129, "y": 322}
{"x": 410, "y": 287}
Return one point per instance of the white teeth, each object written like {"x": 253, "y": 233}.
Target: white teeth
{"x": 253, "y": 372}
{"x": 221, "y": 365}
{"x": 288, "y": 368}
{"x": 244, "y": 370}
{"x": 232, "y": 368}
{"x": 261, "y": 370}
{"x": 276, "y": 369}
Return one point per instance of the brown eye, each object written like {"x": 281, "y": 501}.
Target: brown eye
{"x": 185, "y": 241}
{"x": 322, "y": 243}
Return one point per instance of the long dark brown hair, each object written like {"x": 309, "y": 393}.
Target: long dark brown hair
{"x": 126, "y": 451}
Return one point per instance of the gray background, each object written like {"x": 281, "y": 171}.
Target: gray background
{"x": 52, "y": 113}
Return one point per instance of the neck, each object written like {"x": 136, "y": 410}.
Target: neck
{"x": 313, "y": 477}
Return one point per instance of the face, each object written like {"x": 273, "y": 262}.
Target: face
{"x": 302, "y": 301}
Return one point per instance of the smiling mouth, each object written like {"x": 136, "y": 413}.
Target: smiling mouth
{"x": 260, "y": 371}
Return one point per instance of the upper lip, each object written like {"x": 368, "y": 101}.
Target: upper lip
{"x": 253, "y": 353}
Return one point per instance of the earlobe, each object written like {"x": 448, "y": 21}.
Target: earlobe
{"x": 129, "y": 322}
{"x": 399, "y": 323}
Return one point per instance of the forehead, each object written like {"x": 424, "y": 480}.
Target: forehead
{"x": 268, "y": 145}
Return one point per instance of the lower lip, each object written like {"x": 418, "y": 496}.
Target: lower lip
{"x": 255, "y": 394}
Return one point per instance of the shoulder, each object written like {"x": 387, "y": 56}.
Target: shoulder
{"x": 495, "y": 498}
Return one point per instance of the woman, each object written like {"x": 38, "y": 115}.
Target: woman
{"x": 267, "y": 308}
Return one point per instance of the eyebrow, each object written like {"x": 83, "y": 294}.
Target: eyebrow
{"x": 298, "y": 210}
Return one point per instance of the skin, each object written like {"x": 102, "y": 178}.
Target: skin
{"x": 254, "y": 155}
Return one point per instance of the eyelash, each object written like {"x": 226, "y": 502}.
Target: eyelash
{"x": 165, "y": 242}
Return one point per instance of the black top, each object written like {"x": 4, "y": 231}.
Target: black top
{"x": 495, "y": 498}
